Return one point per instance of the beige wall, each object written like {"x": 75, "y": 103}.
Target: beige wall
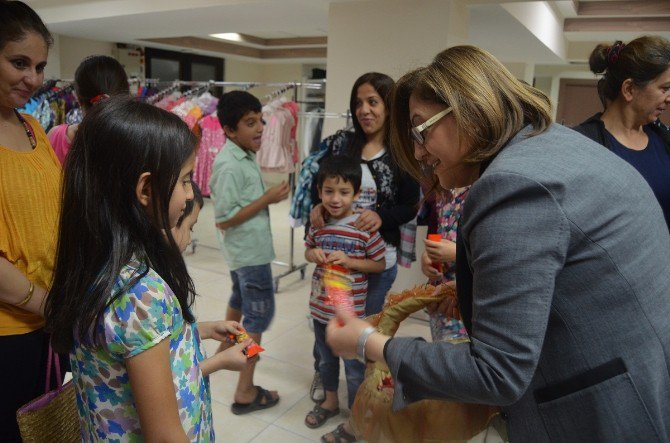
{"x": 74, "y": 50}
{"x": 388, "y": 36}
{"x": 243, "y": 71}
{"x": 552, "y": 75}
{"x": 53, "y": 62}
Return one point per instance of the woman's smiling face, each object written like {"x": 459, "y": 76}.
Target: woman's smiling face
{"x": 443, "y": 149}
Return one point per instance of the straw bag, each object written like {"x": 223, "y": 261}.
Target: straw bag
{"x": 51, "y": 417}
{"x": 372, "y": 417}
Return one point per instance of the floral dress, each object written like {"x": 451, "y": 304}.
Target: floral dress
{"x": 449, "y": 209}
{"x": 143, "y": 316}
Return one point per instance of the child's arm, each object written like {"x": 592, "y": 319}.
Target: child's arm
{"x": 366, "y": 265}
{"x": 315, "y": 255}
{"x": 232, "y": 359}
{"x": 275, "y": 194}
{"x": 441, "y": 251}
{"x": 151, "y": 382}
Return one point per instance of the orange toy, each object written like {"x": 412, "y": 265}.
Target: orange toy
{"x": 437, "y": 238}
{"x": 252, "y": 350}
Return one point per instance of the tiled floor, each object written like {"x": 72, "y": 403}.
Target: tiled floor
{"x": 287, "y": 363}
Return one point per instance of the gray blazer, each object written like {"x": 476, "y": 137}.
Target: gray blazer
{"x": 570, "y": 314}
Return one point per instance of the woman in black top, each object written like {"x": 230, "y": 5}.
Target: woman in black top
{"x": 635, "y": 87}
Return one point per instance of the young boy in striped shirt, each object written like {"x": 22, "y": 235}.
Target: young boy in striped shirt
{"x": 339, "y": 242}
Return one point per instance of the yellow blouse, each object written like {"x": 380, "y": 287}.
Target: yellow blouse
{"x": 30, "y": 186}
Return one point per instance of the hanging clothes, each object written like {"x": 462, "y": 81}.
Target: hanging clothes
{"x": 212, "y": 140}
{"x": 276, "y": 152}
{"x": 302, "y": 199}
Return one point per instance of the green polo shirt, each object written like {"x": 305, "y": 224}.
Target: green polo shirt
{"x": 235, "y": 183}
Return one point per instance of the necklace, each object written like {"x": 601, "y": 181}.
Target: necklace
{"x": 29, "y": 130}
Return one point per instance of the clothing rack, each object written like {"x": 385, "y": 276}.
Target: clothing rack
{"x": 279, "y": 90}
{"x": 291, "y": 266}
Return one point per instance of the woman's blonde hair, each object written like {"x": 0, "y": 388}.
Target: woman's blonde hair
{"x": 490, "y": 105}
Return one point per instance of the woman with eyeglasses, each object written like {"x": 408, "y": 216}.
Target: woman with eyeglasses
{"x": 635, "y": 84}
{"x": 563, "y": 273}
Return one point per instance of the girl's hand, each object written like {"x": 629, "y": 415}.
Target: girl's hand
{"x": 317, "y": 216}
{"x": 342, "y": 333}
{"x": 339, "y": 258}
{"x": 440, "y": 251}
{"x": 218, "y": 329}
{"x": 428, "y": 269}
{"x": 318, "y": 256}
{"x": 448, "y": 306}
{"x": 368, "y": 221}
{"x": 221, "y": 329}
{"x": 233, "y": 358}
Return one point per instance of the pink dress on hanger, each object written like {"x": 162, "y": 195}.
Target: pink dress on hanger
{"x": 211, "y": 142}
{"x": 275, "y": 153}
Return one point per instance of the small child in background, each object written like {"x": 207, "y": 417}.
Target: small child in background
{"x": 243, "y": 220}
{"x": 447, "y": 208}
{"x": 182, "y": 232}
{"x": 339, "y": 242}
{"x": 121, "y": 295}
{"x": 96, "y": 78}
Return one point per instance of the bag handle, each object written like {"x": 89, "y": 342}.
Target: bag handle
{"x": 53, "y": 357}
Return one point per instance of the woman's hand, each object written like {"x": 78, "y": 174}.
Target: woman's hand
{"x": 342, "y": 333}
{"x": 448, "y": 306}
{"x": 440, "y": 251}
{"x": 428, "y": 269}
{"x": 317, "y": 216}
{"x": 219, "y": 330}
{"x": 368, "y": 221}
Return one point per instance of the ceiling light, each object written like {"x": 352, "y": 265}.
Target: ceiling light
{"x": 232, "y": 36}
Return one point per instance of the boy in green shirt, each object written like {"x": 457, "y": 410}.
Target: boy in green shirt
{"x": 243, "y": 221}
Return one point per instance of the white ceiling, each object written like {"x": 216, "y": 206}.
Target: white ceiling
{"x": 129, "y": 21}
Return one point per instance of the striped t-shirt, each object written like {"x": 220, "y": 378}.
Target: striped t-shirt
{"x": 342, "y": 235}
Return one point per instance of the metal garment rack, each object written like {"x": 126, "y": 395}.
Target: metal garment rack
{"x": 280, "y": 89}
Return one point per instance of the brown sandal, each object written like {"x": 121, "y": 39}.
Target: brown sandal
{"x": 340, "y": 436}
{"x": 320, "y": 416}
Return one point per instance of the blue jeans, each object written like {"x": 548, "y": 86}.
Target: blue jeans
{"x": 378, "y": 286}
{"x": 329, "y": 366}
{"x": 253, "y": 295}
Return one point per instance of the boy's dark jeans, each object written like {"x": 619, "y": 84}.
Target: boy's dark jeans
{"x": 329, "y": 366}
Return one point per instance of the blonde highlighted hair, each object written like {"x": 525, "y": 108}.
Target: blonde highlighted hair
{"x": 490, "y": 105}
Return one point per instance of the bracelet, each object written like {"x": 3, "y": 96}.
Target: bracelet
{"x": 28, "y": 297}
{"x": 362, "y": 340}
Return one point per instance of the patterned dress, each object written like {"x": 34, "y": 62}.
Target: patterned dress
{"x": 449, "y": 209}
{"x": 139, "y": 319}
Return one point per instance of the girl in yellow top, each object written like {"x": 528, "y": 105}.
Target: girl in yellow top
{"x": 29, "y": 211}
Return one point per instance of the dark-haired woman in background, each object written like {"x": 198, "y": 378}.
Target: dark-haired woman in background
{"x": 636, "y": 87}
{"x": 29, "y": 212}
{"x": 389, "y": 196}
{"x": 96, "y": 78}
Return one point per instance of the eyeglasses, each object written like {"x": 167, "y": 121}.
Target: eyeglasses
{"x": 417, "y": 131}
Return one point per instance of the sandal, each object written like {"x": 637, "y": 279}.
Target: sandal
{"x": 320, "y": 416}
{"x": 263, "y": 400}
{"x": 317, "y": 392}
{"x": 339, "y": 436}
